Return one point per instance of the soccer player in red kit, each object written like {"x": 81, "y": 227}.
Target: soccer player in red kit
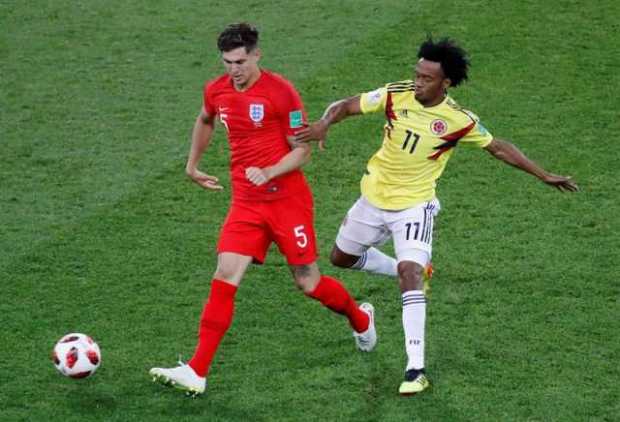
{"x": 271, "y": 201}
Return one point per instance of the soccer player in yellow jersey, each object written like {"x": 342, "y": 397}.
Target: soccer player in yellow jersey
{"x": 423, "y": 126}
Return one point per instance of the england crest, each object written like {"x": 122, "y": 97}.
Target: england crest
{"x": 257, "y": 112}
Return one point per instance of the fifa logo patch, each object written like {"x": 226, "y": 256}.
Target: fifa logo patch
{"x": 296, "y": 119}
{"x": 257, "y": 112}
{"x": 438, "y": 127}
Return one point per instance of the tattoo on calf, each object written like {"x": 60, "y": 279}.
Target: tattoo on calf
{"x": 302, "y": 270}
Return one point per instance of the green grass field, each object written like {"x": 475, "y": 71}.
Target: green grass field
{"x": 101, "y": 232}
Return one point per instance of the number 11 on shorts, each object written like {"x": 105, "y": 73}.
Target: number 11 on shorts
{"x": 302, "y": 238}
{"x": 415, "y": 233}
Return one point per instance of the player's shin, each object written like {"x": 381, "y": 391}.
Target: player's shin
{"x": 332, "y": 294}
{"x": 414, "y": 319}
{"x": 215, "y": 320}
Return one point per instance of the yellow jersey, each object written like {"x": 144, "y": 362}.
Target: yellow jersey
{"x": 417, "y": 143}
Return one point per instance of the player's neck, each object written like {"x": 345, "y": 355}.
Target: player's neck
{"x": 248, "y": 84}
{"x": 435, "y": 101}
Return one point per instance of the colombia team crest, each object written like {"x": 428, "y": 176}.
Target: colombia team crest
{"x": 439, "y": 127}
{"x": 257, "y": 112}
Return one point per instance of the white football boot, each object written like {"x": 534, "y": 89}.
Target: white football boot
{"x": 182, "y": 377}
{"x": 367, "y": 340}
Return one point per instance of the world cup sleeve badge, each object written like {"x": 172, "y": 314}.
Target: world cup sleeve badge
{"x": 296, "y": 119}
{"x": 257, "y": 113}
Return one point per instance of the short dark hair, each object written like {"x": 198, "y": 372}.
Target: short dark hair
{"x": 238, "y": 35}
{"x": 453, "y": 59}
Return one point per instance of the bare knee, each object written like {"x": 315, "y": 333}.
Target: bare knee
{"x": 410, "y": 276}
{"x": 306, "y": 277}
{"x": 342, "y": 259}
{"x": 231, "y": 267}
{"x": 224, "y": 272}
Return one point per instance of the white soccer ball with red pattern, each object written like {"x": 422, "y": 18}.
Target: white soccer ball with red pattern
{"x": 76, "y": 355}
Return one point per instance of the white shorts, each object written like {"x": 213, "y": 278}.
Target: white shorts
{"x": 411, "y": 230}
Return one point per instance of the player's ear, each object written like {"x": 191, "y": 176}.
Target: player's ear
{"x": 446, "y": 83}
{"x": 257, "y": 54}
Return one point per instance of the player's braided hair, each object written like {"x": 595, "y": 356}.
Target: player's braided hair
{"x": 238, "y": 35}
{"x": 453, "y": 59}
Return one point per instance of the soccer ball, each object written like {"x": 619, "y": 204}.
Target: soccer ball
{"x": 76, "y": 355}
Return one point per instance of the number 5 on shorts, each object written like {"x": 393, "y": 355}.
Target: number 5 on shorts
{"x": 302, "y": 239}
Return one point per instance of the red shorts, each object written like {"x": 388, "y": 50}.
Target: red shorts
{"x": 250, "y": 227}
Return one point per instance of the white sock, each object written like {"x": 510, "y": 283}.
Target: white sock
{"x": 414, "y": 318}
{"x": 375, "y": 261}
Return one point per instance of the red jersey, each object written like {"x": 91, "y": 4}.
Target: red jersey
{"x": 257, "y": 121}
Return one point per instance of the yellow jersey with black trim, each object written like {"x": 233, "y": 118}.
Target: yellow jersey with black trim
{"x": 417, "y": 143}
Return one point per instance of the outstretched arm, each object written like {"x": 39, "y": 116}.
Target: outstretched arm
{"x": 510, "y": 154}
{"x": 334, "y": 113}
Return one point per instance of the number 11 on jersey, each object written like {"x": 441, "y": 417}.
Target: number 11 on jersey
{"x": 416, "y": 138}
